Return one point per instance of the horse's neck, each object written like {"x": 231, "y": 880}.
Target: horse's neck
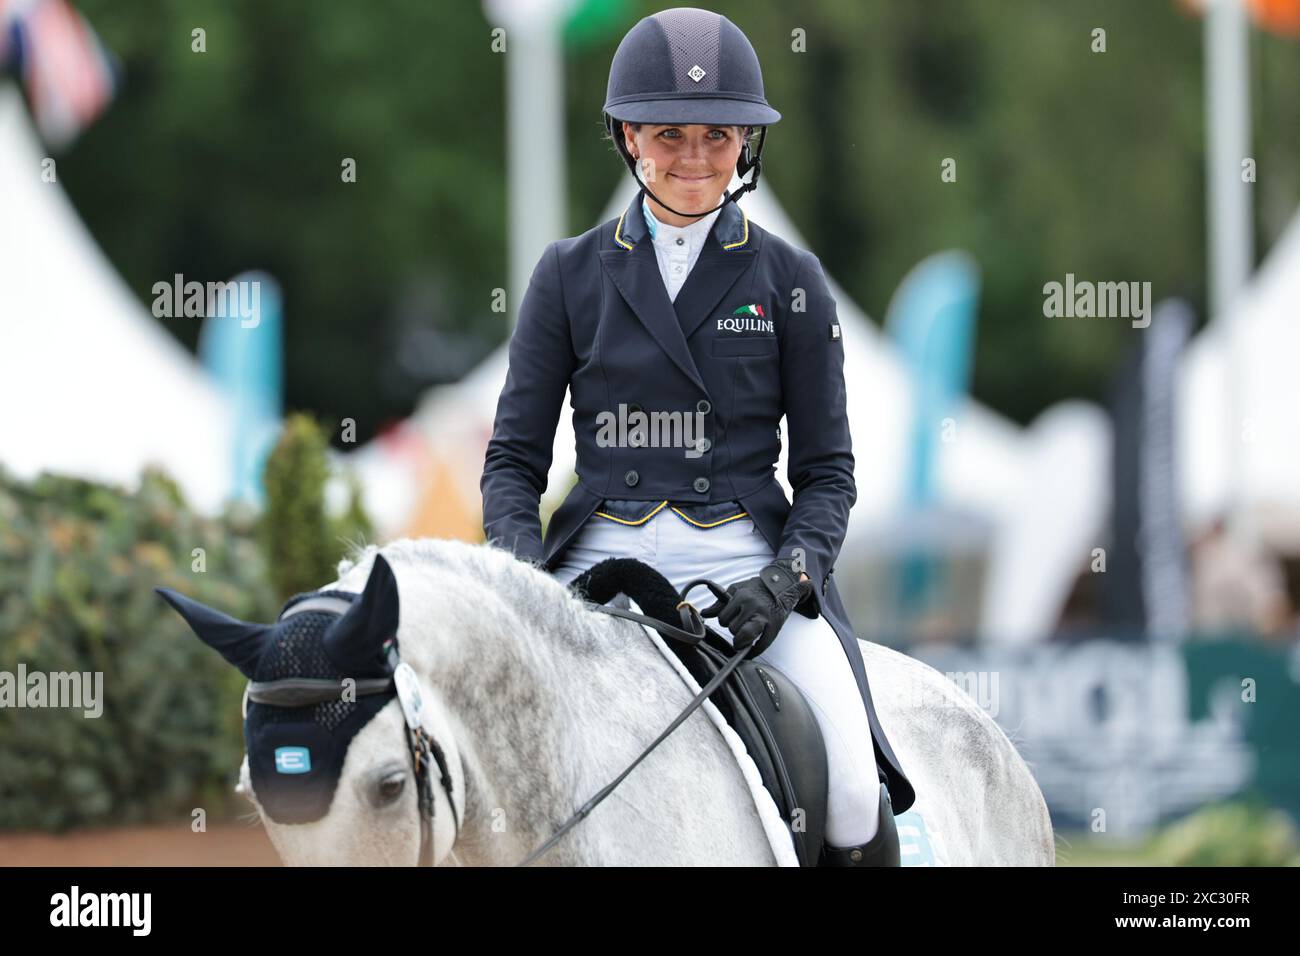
{"x": 530, "y": 702}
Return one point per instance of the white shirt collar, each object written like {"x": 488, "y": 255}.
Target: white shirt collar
{"x": 665, "y": 235}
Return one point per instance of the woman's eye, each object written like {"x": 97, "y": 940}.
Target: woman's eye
{"x": 676, "y": 134}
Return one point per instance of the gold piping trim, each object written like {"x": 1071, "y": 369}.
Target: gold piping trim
{"x": 618, "y": 238}
{"x": 745, "y": 239}
{"x": 618, "y": 232}
{"x": 642, "y": 521}
{"x": 711, "y": 524}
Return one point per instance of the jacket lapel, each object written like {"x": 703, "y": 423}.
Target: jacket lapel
{"x": 715, "y": 272}
{"x": 632, "y": 265}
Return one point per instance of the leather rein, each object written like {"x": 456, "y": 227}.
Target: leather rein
{"x": 690, "y": 619}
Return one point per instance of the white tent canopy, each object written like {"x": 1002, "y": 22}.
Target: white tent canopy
{"x": 1238, "y": 440}
{"x": 90, "y": 383}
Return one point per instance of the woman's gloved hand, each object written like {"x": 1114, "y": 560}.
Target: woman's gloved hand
{"x": 757, "y": 607}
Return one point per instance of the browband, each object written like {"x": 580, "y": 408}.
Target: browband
{"x": 304, "y": 691}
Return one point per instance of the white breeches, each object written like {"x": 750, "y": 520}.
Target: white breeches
{"x": 806, "y": 650}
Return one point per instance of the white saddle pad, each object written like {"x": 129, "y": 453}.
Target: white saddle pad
{"x": 778, "y": 834}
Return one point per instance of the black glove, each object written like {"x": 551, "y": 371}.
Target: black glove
{"x": 757, "y": 607}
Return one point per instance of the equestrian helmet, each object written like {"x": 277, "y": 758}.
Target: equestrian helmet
{"x": 687, "y": 66}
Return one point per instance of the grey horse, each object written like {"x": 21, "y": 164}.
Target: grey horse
{"x": 535, "y": 703}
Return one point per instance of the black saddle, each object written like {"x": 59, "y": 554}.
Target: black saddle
{"x": 771, "y": 716}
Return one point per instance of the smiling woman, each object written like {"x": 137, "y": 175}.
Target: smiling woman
{"x": 691, "y": 165}
{"x": 684, "y": 304}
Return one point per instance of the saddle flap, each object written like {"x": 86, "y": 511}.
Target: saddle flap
{"x": 781, "y": 734}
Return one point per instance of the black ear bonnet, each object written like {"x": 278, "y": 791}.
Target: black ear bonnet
{"x": 300, "y": 717}
{"x": 296, "y": 754}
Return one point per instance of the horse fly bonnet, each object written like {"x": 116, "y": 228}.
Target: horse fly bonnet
{"x": 318, "y": 675}
{"x": 299, "y": 720}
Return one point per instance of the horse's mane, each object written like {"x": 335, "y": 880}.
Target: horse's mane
{"x": 533, "y": 594}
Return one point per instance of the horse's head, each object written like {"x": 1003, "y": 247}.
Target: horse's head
{"x": 331, "y": 756}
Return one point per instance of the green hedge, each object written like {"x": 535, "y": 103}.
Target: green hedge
{"x": 1235, "y": 833}
{"x": 78, "y": 564}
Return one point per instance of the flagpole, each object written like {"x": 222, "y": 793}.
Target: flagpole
{"x": 535, "y": 154}
{"x": 1229, "y": 217}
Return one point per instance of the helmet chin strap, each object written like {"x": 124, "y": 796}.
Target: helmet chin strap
{"x": 731, "y": 197}
{"x": 752, "y": 168}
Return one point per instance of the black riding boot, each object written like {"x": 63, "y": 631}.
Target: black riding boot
{"x": 881, "y": 850}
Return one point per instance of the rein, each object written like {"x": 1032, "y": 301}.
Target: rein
{"x": 690, "y": 618}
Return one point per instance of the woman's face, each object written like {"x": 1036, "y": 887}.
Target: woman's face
{"x": 687, "y": 166}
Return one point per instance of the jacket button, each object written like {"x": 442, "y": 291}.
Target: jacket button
{"x": 701, "y": 485}
{"x": 704, "y": 444}
{"x": 703, "y": 406}
{"x": 634, "y": 408}
{"x": 631, "y": 478}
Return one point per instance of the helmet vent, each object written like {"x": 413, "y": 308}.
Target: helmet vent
{"x": 694, "y": 41}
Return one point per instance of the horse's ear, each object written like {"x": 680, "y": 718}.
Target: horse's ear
{"x": 355, "y": 641}
{"x": 239, "y": 642}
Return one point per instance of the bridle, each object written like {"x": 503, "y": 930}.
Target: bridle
{"x": 425, "y": 751}
{"x": 420, "y": 744}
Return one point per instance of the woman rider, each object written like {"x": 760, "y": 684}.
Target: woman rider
{"x": 683, "y": 307}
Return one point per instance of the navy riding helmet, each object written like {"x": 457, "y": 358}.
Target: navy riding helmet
{"x": 687, "y": 66}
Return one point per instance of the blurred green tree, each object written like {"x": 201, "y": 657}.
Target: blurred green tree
{"x": 295, "y": 534}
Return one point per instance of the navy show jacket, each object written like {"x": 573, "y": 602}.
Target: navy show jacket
{"x": 752, "y": 335}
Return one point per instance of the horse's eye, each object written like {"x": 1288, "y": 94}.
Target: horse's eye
{"x": 390, "y": 788}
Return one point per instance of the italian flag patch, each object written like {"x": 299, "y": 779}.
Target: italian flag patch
{"x": 750, "y": 310}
